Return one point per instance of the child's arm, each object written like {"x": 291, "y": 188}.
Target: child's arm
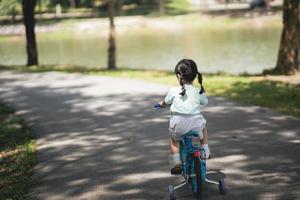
{"x": 168, "y": 100}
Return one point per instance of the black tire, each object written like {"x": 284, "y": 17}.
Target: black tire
{"x": 222, "y": 187}
{"x": 171, "y": 192}
{"x": 196, "y": 178}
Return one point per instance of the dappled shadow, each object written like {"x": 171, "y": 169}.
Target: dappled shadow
{"x": 99, "y": 141}
{"x": 258, "y": 149}
{"x": 285, "y": 99}
{"x": 91, "y": 147}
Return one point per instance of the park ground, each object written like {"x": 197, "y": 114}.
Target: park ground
{"x": 99, "y": 137}
{"x": 280, "y": 93}
{"x": 246, "y": 164}
{"x": 277, "y": 92}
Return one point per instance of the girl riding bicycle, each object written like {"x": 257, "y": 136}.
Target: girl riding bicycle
{"x": 186, "y": 103}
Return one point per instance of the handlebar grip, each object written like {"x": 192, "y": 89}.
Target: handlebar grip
{"x": 157, "y": 106}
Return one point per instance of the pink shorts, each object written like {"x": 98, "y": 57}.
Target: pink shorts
{"x": 181, "y": 124}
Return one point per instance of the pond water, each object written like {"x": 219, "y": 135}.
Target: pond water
{"x": 249, "y": 49}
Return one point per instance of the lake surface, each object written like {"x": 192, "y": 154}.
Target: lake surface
{"x": 248, "y": 50}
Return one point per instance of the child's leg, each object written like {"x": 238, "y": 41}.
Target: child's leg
{"x": 174, "y": 147}
{"x": 175, "y": 157}
{"x": 204, "y": 143}
{"x": 204, "y": 140}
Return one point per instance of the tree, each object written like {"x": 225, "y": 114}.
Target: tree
{"x": 119, "y": 7}
{"x": 161, "y": 5}
{"x": 288, "y": 61}
{"x": 29, "y": 22}
{"x": 111, "y": 40}
{"x": 73, "y": 3}
{"x": 8, "y": 7}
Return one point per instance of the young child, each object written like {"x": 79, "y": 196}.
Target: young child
{"x": 186, "y": 103}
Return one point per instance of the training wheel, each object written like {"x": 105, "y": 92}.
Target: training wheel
{"x": 222, "y": 187}
{"x": 171, "y": 192}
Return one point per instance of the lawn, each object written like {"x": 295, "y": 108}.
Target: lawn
{"x": 17, "y": 155}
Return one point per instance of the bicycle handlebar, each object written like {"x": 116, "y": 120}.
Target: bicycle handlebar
{"x": 157, "y": 106}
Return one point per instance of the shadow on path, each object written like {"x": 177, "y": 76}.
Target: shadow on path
{"x": 96, "y": 143}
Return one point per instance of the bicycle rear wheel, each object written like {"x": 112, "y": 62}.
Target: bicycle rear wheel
{"x": 196, "y": 177}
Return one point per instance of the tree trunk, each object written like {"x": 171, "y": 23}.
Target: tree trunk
{"x": 119, "y": 7}
{"x": 161, "y": 7}
{"x": 29, "y": 22}
{"x": 112, "y": 45}
{"x": 77, "y": 3}
{"x": 40, "y": 7}
{"x": 13, "y": 15}
{"x": 73, "y": 3}
{"x": 289, "y": 52}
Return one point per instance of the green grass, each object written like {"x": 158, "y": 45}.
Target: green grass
{"x": 178, "y": 7}
{"x": 276, "y": 95}
{"x": 17, "y": 155}
{"x": 150, "y": 8}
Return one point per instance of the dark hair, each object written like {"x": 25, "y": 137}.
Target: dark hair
{"x": 187, "y": 70}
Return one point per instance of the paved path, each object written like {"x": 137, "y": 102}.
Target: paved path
{"x": 99, "y": 138}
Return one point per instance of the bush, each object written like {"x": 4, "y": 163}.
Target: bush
{"x": 7, "y": 7}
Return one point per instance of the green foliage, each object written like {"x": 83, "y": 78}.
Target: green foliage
{"x": 17, "y": 155}
{"x": 175, "y": 7}
{"x": 63, "y": 3}
{"x": 136, "y": 7}
{"x": 7, "y": 7}
{"x": 150, "y": 7}
{"x": 128, "y": 2}
{"x": 67, "y": 3}
{"x": 86, "y": 3}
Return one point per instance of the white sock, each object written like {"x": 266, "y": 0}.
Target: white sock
{"x": 206, "y": 149}
{"x": 175, "y": 159}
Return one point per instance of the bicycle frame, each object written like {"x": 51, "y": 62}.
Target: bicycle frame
{"x": 188, "y": 151}
{"x": 193, "y": 157}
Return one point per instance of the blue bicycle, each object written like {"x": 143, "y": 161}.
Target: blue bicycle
{"x": 193, "y": 168}
{"x": 193, "y": 165}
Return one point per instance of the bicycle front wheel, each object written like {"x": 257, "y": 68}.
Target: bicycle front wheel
{"x": 196, "y": 177}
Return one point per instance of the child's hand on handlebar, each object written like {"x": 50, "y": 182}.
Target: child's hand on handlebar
{"x": 157, "y": 106}
{"x": 160, "y": 105}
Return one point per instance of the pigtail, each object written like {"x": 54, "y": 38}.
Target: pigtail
{"x": 182, "y": 93}
{"x": 200, "y": 82}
